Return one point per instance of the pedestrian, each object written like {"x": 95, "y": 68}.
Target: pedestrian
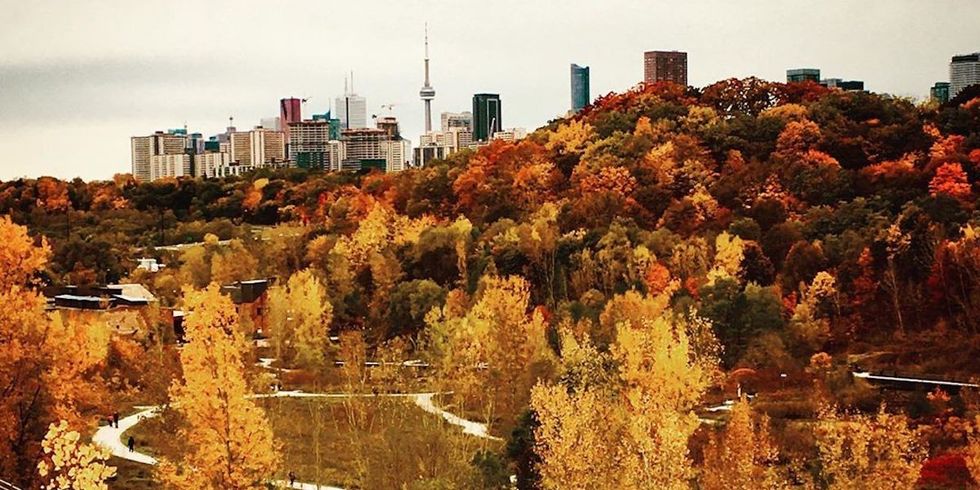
{"x": 115, "y": 420}
{"x": 292, "y": 478}
{"x": 131, "y": 444}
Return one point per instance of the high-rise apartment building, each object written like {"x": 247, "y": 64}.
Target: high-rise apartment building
{"x": 352, "y": 111}
{"x": 159, "y": 143}
{"x": 940, "y": 92}
{"x": 362, "y": 147}
{"x": 665, "y": 66}
{"x": 580, "y": 87}
{"x": 308, "y": 144}
{"x": 964, "y": 70}
{"x": 173, "y": 165}
{"x": 397, "y": 153}
{"x": 214, "y": 165}
{"x": 258, "y": 147}
{"x": 486, "y": 116}
{"x": 799, "y": 75}
{"x": 457, "y": 120}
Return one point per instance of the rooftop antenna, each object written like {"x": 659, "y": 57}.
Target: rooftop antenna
{"x": 346, "y": 92}
{"x": 352, "y": 91}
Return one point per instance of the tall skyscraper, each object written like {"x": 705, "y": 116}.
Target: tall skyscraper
{"x": 427, "y": 93}
{"x": 665, "y": 66}
{"x": 580, "y": 87}
{"x": 290, "y": 111}
{"x": 964, "y": 70}
{"x": 486, "y": 116}
{"x": 798, "y": 75}
{"x": 351, "y": 109}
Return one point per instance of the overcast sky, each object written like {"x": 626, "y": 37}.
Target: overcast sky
{"x": 78, "y": 78}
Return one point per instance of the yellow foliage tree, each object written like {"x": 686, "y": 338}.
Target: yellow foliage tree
{"x": 48, "y": 366}
{"x": 743, "y": 457}
{"x": 635, "y": 427}
{"x": 300, "y": 317}
{"x": 68, "y": 464}
{"x": 493, "y": 354}
{"x": 235, "y": 263}
{"x": 729, "y": 252}
{"x": 229, "y": 438}
{"x": 874, "y": 452}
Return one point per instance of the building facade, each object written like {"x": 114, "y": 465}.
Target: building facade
{"x": 964, "y": 70}
{"x": 487, "y": 116}
{"x": 259, "y": 147}
{"x": 290, "y": 111}
{"x": 939, "y": 92}
{"x": 143, "y": 148}
{"x": 845, "y": 85}
{"x": 308, "y": 144}
{"x": 397, "y": 154}
{"x": 665, "y": 66}
{"x": 361, "y": 145}
{"x": 799, "y": 75}
{"x": 579, "y": 87}
{"x": 457, "y": 120}
{"x": 163, "y": 166}
{"x": 211, "y": 165}
{"x": 352, "y": 111}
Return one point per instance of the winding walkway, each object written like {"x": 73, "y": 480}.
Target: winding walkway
{"x": 110, "y": 437}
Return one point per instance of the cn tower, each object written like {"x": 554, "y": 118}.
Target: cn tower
{"x": 427, "y": 93}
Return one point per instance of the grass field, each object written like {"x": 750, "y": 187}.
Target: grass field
{"x": 362, "y": 443}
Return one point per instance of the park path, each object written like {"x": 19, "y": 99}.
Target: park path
{"x": 110, "y": 437}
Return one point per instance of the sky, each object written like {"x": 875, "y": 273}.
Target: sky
{"x": 77, "y": 79}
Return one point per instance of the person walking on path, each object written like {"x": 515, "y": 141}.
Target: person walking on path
{"x": 131, "y": 443}
{"x": 292, "y": 478}
{"x": 115, "y": 420}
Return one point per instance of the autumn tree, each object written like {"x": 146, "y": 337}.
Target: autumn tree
{"x": 48, "y": 366}
{"x": 70, "y": 464}
{"x": 496, "y": 351}
{"x": 230, "y": 443}
{"x": 877, "y": 452}
{"x": 950, "y": 179}
{"x": 300, "y": 316}
{"x": 743, "y": 456}
{"x": 632, "y": 430}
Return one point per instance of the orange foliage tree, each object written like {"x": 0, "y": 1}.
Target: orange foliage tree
{"x": 229, "y": 438}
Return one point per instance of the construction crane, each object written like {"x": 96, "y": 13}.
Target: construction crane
{"x": 389, "y": 107}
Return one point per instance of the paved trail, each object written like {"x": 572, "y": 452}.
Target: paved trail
{"x": 111, "y": 437}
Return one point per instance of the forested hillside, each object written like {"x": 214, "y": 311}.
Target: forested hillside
{"x": 587, "y": 291}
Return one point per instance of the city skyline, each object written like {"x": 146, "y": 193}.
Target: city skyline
{"x": 71, "y": 100}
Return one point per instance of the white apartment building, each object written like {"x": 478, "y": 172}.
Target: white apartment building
{"x": 964, "y": 70}
{"x": 397, "y": 154}
{"x": 211, "y": 165}
{"x": 259, "y": 147}
{"x": 144, "y": 147}
{"x": 162, "y": 166}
